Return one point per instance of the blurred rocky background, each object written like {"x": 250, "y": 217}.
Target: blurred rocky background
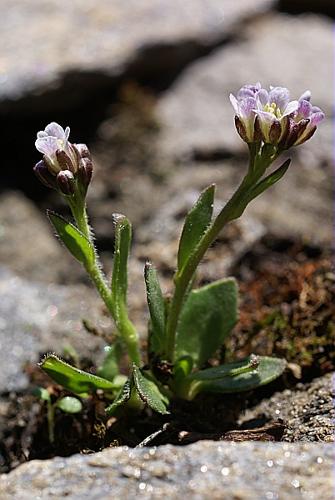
{"x": 146, "y": 85}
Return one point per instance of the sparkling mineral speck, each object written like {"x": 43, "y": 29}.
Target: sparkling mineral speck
{"x": 225, "y": 471}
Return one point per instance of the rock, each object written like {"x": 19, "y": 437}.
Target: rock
{"x": 308, "y": 411}
{"x": 196, "y": 114}
{"x": 22, "y": 225}
{"x": 74, "y": 48}
{"x": 197, "y": 119}
{"x": 158, "y": 239}
{"x": 205, "y": 470}
{"x": 35, "y": 318}
{"x": 300, "y": 204}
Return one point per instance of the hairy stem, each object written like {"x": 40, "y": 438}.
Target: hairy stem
{"x": 125, "y": 327}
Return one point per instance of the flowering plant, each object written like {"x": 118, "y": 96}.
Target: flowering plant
{"x": 186, "y": 330}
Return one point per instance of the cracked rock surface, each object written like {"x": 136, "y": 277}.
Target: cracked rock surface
{"x": 308, "y": 410}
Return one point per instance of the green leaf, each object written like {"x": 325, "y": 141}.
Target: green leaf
{"x": 69, "y": 405}
{"x": 71, "y": 378}
{"x": 207, "y": 317}
{"x": 73, "y": 239}
{"x": 120, "y": 264}
{"x": 110, "y": 365}
{"x": 138, "y": 390}
{"x": 196, "y": 223}
{"x": 149, "y": 392}
{"x": 42, "y": 393}
{"x": 157, "y": 310}
{"x": 268, "y": 181}
{"x": 245, "y": 375}
{"x": 121, "y": 399}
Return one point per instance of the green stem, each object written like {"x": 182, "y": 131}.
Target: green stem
{"x": 232, "y": 210}
{"x": 123, "y": 324}
{"x": 51, "y": 421}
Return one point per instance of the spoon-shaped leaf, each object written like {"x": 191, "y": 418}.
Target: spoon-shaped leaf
{"x": 245, "y": 375}
{"x": 139, "y": 389}
{"x": 157, "y": 310}
{"x": 149, "y": 392}
{"x": 269, "y": 180}
{"x": 207, "y": 317}
{"x": 73, "y": 379}
{"x": 73, "y": 239}
{"x": 121, "y": 399}
{"x": 196, "y": 223}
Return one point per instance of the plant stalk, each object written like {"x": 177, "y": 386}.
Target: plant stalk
{"x": 125, "y": 327}
{"x": 232, "y": 210}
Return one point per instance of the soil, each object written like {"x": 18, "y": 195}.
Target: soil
{"x": 287, "y": 309}
{"x": 288, "y": 305}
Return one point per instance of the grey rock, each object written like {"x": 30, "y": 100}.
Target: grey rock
{"x": 300, "y": 204}
{"x": 35, "y": 318}
{"x": 308, "y": 411}
{"x": 96, "y": 41}
{"x": 22, "y": 224}
{"x": 158, "y": 239}
{"x": 196, "y": 115}
{"x": 205, "y": 470}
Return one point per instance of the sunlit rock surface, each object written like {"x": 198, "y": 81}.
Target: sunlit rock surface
{"x": 196, "y": 114}
{"x": 35, "y": 318}
{"x": 308, "y": 410}
{"x": 199, "y": 471}
{"x": 53, "y": 37}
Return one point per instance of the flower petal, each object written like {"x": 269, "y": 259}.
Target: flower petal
{"x": 262, "y": 98}
{"x": 291, "y": 108}
{"x": 234, "y": 103}
{"x": 247, "y": 107}
{"x": 279, "y": 96}
{"x": 41, "y": 134}
{"x": 304, "y": 109}
{"x": 67, "y": 133}
{"x": 47, "y": 145}
{"x": 265, "y": 116}
{"x": 316, "y": 118}
{"x": 306, "y": 96}
{"x": 315, "y": 109}
{"x": 55, "y": 130}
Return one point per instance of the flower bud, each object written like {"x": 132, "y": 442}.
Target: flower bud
{"x": 43, "y": 174}
{"x": 64, "y": 161}
{"x": 82, "y": 150}
{"x": 241, "y": 130}
{"x": 275, "y": 132}
{"x": 66, "y": 182}
{"x": 85, "y": 172}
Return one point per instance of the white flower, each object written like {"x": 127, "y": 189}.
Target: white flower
{"x": 53, "y": 142}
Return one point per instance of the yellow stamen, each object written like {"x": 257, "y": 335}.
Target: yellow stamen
{"x": 273, "y": 108}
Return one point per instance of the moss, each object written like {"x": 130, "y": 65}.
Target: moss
{"x": 288, "y": 310}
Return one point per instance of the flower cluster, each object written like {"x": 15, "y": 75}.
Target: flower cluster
{"x": 65, "y": 166}
{"x": 271, "y": 117}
